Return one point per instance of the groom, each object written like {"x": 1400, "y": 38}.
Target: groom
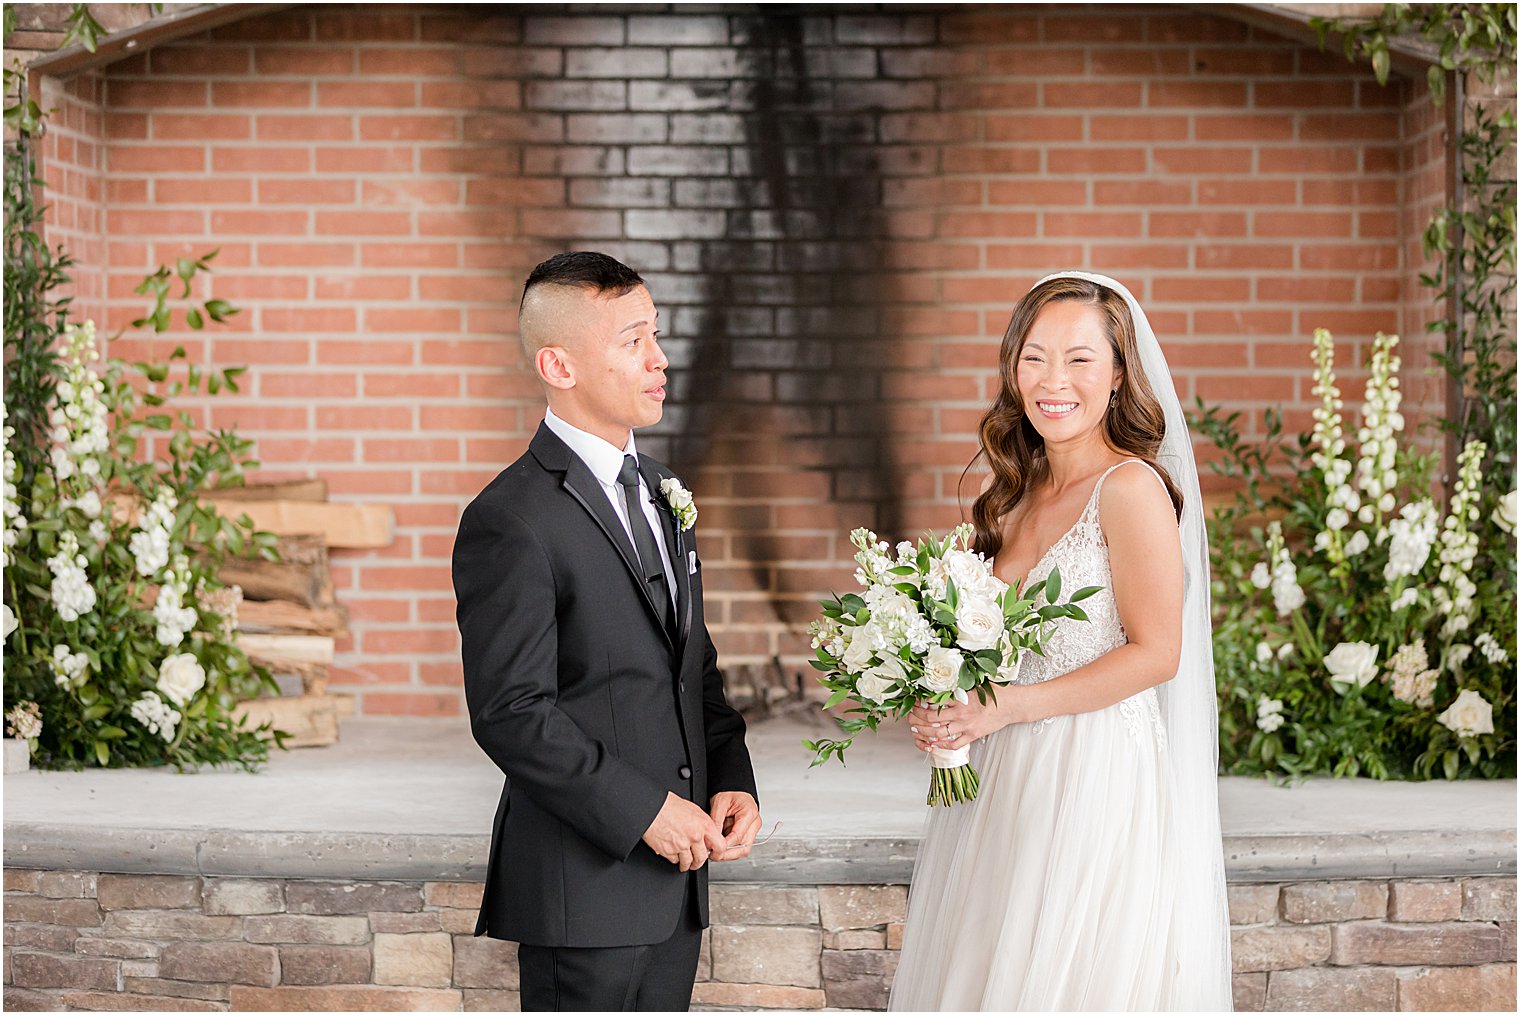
{"x": 591, "y": 680}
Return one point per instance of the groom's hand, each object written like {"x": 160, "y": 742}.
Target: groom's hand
{"x": 738, "y": 815}
{"x": 683, "y": 834}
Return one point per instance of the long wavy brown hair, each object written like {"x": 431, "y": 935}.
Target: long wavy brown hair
{"x": 1133, "y": 425}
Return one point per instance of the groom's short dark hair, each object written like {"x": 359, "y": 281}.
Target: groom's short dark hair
{"x": 586, "y": 269}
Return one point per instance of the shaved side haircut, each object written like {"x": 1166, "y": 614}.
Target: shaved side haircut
{"x": 579, "y": 269}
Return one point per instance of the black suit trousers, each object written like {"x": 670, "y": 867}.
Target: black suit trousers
{"x": 656, "y": 977}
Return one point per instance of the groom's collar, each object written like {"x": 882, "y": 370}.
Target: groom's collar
{"x": 601, "y": 458}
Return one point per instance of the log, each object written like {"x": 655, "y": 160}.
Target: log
{"x": 311, "y": 719}
{"x": 302, "y": 584}
{"x": 280, "y": 651}
{"x": 276, "y": 616}
{"x": 347, "y": 526}
{"x": 307, "y": 490}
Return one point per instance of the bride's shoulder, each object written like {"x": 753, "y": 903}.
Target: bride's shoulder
{"x": 1134, "y": 497}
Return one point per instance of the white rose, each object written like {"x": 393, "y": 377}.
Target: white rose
{"x": 876, "y": 683}
{"x": 1469, "y": 715}
{"x": 1504, "y": 517}
{"x": 10, "y": 621}
{"x": 1352, "y": 662}
{"x": 864, "y": 641}
{"x": 978, "y": 624}
{"x": 942, "y": 669}
{"x": 180, "y": 676}
{"x": 971, "y": 574}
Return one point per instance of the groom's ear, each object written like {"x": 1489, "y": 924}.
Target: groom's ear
{"x": 554, "y": 367}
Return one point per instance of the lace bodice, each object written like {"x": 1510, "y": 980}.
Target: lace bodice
{"x": 1082, "y": 556}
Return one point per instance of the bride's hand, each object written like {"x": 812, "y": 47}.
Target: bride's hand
{"x": 955, "y": 725}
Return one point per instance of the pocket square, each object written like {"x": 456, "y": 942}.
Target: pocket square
{"x": 691, "y": 562}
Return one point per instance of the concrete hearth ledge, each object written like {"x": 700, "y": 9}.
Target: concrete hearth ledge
{"x": 411, "y": 799}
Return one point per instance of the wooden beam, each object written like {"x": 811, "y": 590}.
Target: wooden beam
{"x": 167, "y": 28}
{"x": 280, "y": 617}
{"x": 343, "y": 526}
{"x": 311, "y": 490}
{"x": 274, "y": 649}
{"x": 311, "y": 719}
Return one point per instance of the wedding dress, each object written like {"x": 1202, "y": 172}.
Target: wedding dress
{"x": 1088, "y": 873}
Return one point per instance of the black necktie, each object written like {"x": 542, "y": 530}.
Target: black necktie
{"x": 643, "y": 542}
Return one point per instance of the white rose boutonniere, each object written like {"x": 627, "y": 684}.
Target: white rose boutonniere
{"x": 1352, "y": 662}
{"x": 680, "y": 502}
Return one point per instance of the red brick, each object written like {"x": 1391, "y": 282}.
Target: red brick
{"x": 1147, "y": 193}
{"x": 262, "y": 351}
{"x": 1198, "y": 160}
{"x": 366, "y": 352}
{"x": 1349, "y": 257}
{"x": 306, "y": 191}
{"x": 305, "y": 385}
{"x": 154, "y": 94}
{"x": 306, "y": 255}
{"x": 1298, "y": 94}
{"x": 308, "y": 319}
{"x": 259, "y": 223}
{"x": 261, "y": 159}
{"x": 370, "y": 672}
{"x": 1306, "y": 224}
{"x": 365, "y": 94}
{"x": 190, "y": 59}
{"x": 423, "y": 319}
{"x": 127, "y": 127}
{"x": 410, "y": 193}
{"x": 1033, "y": 127}
{"x": 1032, "y": 255}
{"x": 370, "y": 483}
{"x": 1095, "y": 160}
{"x": 200, "y": 127}
{"x": 201, "y": 190}
{"x": 1238, "y": 192}
{"x": 1243, "y": 388}
{"x": 983, "y": 95}
{"x": 1198, "y": 224}
{"x": 156, "y": 223}
{"x": 1139, "y": 128}
{"x": 1091, "y": 224}
{"x": 409, "y": 62}
{"x": 302, "y": 61}
{"x": 1237, "y": 126}
{"x": 268, "y": 417}
{"x": 1245, "y": 256}
{"x": 362, "y": 287}
{"x": 1242, "y": 322}
{"x": 363, "y": 223}
{"x": 411, "y": 449}
{"x": 370, "y": 159}
{"x": 311, "y": 127}
{"x": 979, "y": 224}
{"x": 1194, "y": 95}
{"x": 307, "y": 450}
{"x": 158, "y": 159}
{"x": 409, "y": 255}
{"x": 1035, "y": 63}
{"x": 990, "y": 160}
{"x": 1091, "y": 95}
{"x": 409, "y": 641}
{"x": 261, "y": 94}
{"x": 474, "y": 94}
{"x": 413, "y": 703}
{"x": 449, "y": 674}
{"x": 364, "y": 417}
{"x": 1200, "y": 288}
{"x": 1143, "y": 63}
{"x": 1145, "y": 255}
{"x": 412, "y": 385}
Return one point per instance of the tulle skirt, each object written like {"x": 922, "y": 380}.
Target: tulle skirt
{"x": 1056, "y": 889}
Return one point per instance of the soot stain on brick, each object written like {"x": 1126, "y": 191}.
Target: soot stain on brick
{"x": 793, "y": 294}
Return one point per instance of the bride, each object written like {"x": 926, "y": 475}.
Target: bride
{"x": 1089, "y": 873}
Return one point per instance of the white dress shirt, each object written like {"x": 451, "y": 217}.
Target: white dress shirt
{"x": 605, "y": 462}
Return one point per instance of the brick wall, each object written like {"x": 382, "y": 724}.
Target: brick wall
{"x": 110, "y": 941}
{"x": 835, "y": 212}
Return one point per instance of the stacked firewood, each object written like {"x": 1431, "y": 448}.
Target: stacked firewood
{"x": 289, "y": 619}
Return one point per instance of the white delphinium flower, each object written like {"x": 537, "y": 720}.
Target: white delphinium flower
{"x": 175, "y": 619}
{"x": 71, "y": 593}
{"x": 150, "y": 543}
{"x": 15, "y": 521}
{"x": 1459, "y": 544}
{"x": 78, "y": 417}
{"x": 24, "y": 721}
{"x": 1491, "y": 649}
{"x": 1376, "y": 466}
{"x": 1269, "y": 716}
{"x": 1470, "y": 715}
{"x": 1410, "y": 673}
{"x": 1504, "y": 514}
{"x": 827, "y": 634}
{"x": 156, "y": 715}
{"x": 1286, "y": 594}
{"x": 1329, "y": 441}
{"x": 68, "y": 667}
{"x": 1410, "y": 536}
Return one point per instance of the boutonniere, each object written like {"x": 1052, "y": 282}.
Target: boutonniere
{"x": 680, "y": 502}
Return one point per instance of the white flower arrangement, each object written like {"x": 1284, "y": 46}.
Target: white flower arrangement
{"x": 155, "y": 716}
{"x": 1269, "y": 717}
{"x": 933, "y": 623}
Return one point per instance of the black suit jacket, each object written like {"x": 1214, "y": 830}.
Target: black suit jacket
{"x": 588, "y": 705}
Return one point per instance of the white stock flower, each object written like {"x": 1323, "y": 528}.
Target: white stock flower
{"x": 1504, "y": 514}
{"x": 68, "y": 667}
{"x": 15, "y": 521}
{"x": 151, "y": 711}
{"x": 1264, "y": 653}
{"x": 1269, "y": 714}
{"x": 1455, "y": 592}
{"x": 942, "y": 669}
{"x": 1376, "y": 467}
{"x": 979, "y": 624}
{"x": 175, "y": 620}
{"x": 71, "y": 592}
{"x": 1357, "y": 544}
{"x": 1411, "y": 535}
{"x": 1352, "y": 662}
{"x": 1261, "y": 575}
{"x": 1405, "y": 599}
{"x": 682, "y": 505}
{"x": 1458, "y": 654}
{"x": 180, "y": 677}
{"x": 1469, "y": 716}
{"x": 78, "y": 416}
{"x": 150, "y": 543}
{"x": 1491, "y": 649}
{"x": 1286, "y": 651}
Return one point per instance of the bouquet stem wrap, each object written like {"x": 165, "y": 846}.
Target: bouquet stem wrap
{"x": 952, "y": 779}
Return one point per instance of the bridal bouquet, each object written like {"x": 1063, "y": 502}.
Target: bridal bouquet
{"x": 934, "y": 623}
